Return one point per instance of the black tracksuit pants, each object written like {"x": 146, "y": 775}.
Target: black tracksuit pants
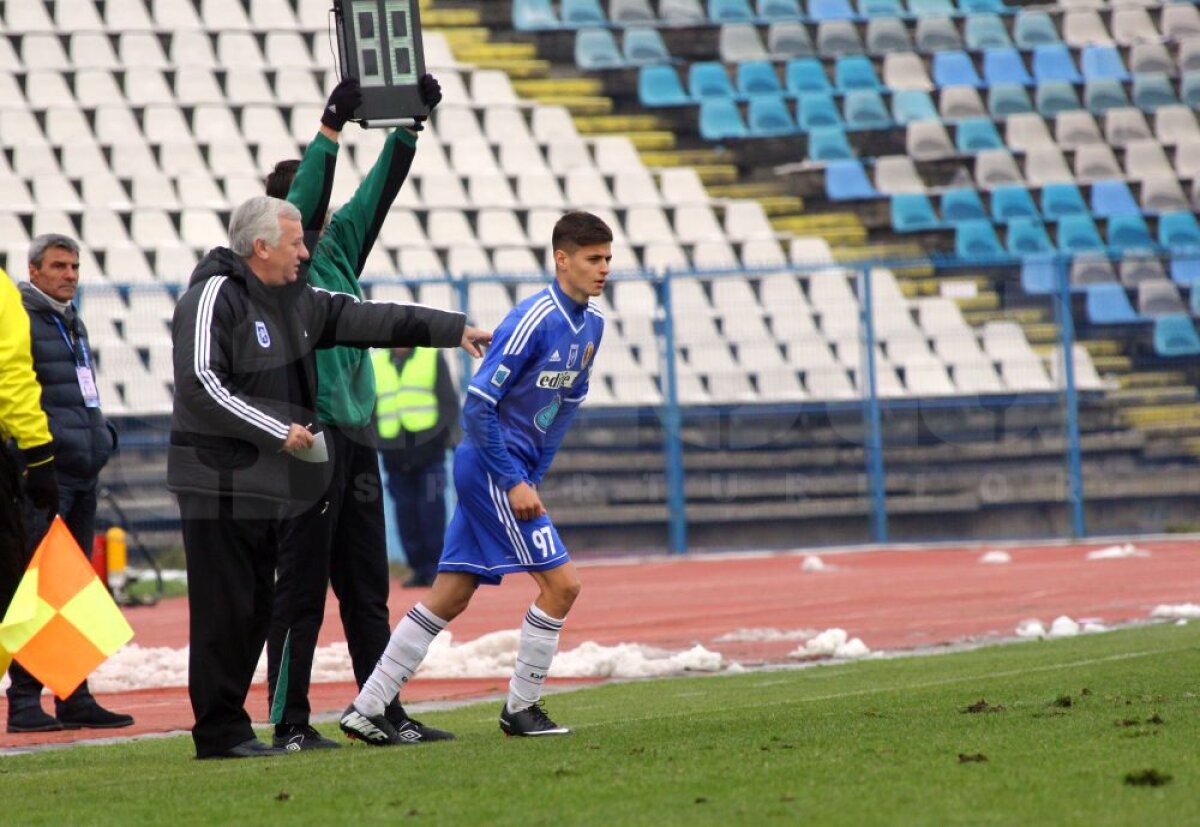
{"x": 231, "y": 548}
{"x": 339, "y": 541}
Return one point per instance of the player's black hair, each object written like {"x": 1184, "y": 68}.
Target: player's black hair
{"x": 279, "y": 180}
{"x": 580, "y": 229}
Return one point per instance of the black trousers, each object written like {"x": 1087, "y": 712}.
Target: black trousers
{"x": 12, "y": 529}
{"x": 231, "y": 548}
{"x": 77, "y": 505}
{"x": 339, "y": 541}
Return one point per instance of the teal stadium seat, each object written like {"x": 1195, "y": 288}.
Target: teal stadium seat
{"x": 912, "y": 212}
{"x": 1055, "y": 97}
{"x": 1175, "y": 335}
{"x": 1078, "y": 234}
{"x": 708, "y": 79}
{"x": 974, "y": 7}
{"x": 986, "y": 31}
{"x": 880, "y": 8}
{"x": 769, "y": 117}
{"x": 976, "y": 239}
{"x": 730, "y": 11}
{"x": 806, "y": 74}
{"x": 1109, "y": 304}
{"x": 660, "y": 86}
{"x": 1179, "y": 229}
{"x": 577, "y": 13}
{"x": 829, "y": 143}
{"x": 1101, "y": 95}
{"x": 865, "y": 109}
{"x": 959, "y": 205}
{"x": 757, "y": 77}
{"x": 533, "y": 15}
{"x": 909, "y": 105}
{"x": 1027, "y": 237}
{"x": 720, "y": 119}
{"x": 1152, "y": 91}
{"x": 597, "y": 49}
{"x": 779, "y": 9}
{"x": 1034, "y": 28}
{"x": 975, "y": 135}
{"x": 931, "y": 8}
{"x": 817, "y": 109}
{"x": 1006, "y": 99}
{"x": 855, "y": 72}
{"x": 644, "y": 45}
{"x": 1059, "y": 200}
{"x": 1185, "y": 270}
{"x": 1011, "y": 203}
{"x": 1189, "y": 89}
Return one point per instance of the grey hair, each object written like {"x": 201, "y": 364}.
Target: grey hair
{"x": 256, "y": 218}
{"x": 42, "y": 243}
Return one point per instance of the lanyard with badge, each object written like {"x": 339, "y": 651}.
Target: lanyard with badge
{"x": 83, "y": 372}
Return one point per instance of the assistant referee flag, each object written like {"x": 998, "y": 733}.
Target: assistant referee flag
{"x": 62, "y": 622}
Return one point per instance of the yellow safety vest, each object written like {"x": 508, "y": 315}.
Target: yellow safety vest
{"x": 405, "y": 399}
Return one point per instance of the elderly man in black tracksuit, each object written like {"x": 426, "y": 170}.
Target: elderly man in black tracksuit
{"x": 83, "y": 441}
{"x": 242, "y": 457}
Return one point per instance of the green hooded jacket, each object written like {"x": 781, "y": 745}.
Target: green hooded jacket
{"x": 345, "y": 378}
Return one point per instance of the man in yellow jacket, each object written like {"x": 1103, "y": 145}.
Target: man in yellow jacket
{"x": 22, "y": 421}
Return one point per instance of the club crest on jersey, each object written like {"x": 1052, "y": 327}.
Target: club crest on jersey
{"x": 588, "y": 352}
{"x": 545, "y": 417}
{"x": 500, "y": 376}
{"x": 572, "y": 356}
{"x": 264, "y": 337}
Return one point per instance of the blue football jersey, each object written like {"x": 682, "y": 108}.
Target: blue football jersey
{"x": 540, "y": 360}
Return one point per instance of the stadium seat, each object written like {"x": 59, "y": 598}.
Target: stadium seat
{"x": 960, "y": 102}
{"x": 1175, "y": 335}
{"x": 912, "y": 105}
{"x": 1151, "y": 91}
{"x": 1046, "y": 165}
{"x": 788, "y": 39}
{"x": 931, "y": 8}
{"x": 975, "y": 7}
{"x": 755, "y": 77}
{"x": 855, "y": 72}
{"x": 576, "y": 13}
{"x": 779, "y": 9}
{"x": 1027, "y": 237}
{"x": 1180, "y": 20}
{"x": 955, "y": 68}
{"x": 880, "y": 8}
{"x": 644, "y": 45}
{"x": 976, "y": 239}
{"x": 660, "y": 86}
{"x": 533, "y": 15}
{"x": 1059, "y": 200}
{"x": 1126, "y": 232}
{"x": 1189, "y": 55}
{"x": 740, "y": 41}
{"x": 1039, "y": 276}
{"x": 1175, "y": 124}
{"x": 934, "y": 34}
{"x": 1008, "y": 99}
{"x": 1103, "y": 63}
{"x": 1137, "y": 266}
{"x": 1111, "y": 198}
{"x": 1185, "y": 271}
{"x": 1159, "y": 298}
{"x": 905, "y": 71}
{"x": 1077, "y": 234}
{"x": 1123, "y": 126}
{"x": 1010, "y": 203}
{"x": 1091, "y": 267}
{"x": 1055, "y": 97}
{"x": 959, "y": 205}
{"x": 838, "y": 37}
{"x": 912, "y": 212}
{"x": 847, "y": 181}
{"x": 896, "y": 174}
{"x": 865, "y": 109}
{"x": 806, "y": 74}
{"x": 729, "y": 11}
{"x": 597, "y": 49}
{"x": 1083, "y": 28}
{"x": 768, "y": 116}
{"x": 996, "y": 168}
{"x": 817, "y": 109}
{"x": 720, "y": 119}
{"x": 709, "y": 80}
{"x": 830, "y": 10}
{"x": 1149, "y": 58}
{"x": 1054, "y": 63}
{"x": 928, "y": 140}
{"x": 829, "y": 143}
{"x": 1189, "y": 90}
{"x": 1004, "y": 65}
{"x": 1034, "y": 28}
{"x": 887, "y": 35}
{"x": 681, "y": 12}
{"x": 1162, "y": 194}
{"x": 1026, "y": 131}
{"x": 1095, "y": 162}
{"x": 1179, "y": 229}
{"x": 976, "y": 134}
{"x": 1108, "y": 304}
{"x": 1101, "y": 95}
{"x": 986, "y": 31}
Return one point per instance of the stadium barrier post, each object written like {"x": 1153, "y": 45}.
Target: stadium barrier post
{"x": 672, "y": 420}
{"x": 872, "y": 425}
{"x": 1066, "y": 335}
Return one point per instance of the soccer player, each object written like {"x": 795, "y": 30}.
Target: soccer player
{"x": 517, "y": 410}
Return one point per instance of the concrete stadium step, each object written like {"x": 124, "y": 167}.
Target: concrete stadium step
{"x": 490, "y": 51}
{"x": 552, "y": 90}
{"x": 984, "y": 301}
{"x": 1151, "y": 416}
{"x": 435, "y": 18}
{"x": 602, "y": 123}
{"x": 658, "y": 140}
{"x": 1167, "y": 395}
{"x": 1113, "y": 364}
{"x": 1153, "y": 379}
{"x": 978, "y": 318}
{"x": 583, "y": 107}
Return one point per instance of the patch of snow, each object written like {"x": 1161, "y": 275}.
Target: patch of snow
{"x": 814, "y": 563}
{"x": 996, "y": 558}
{"x": 1031, "y": 628}
{"x": 832, "y": 643}
{"x": 1064, "y": 626}
{"x": 1120, "y": 552}
{"x": 1181, "y": 611}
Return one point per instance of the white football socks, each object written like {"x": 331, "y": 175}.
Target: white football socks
{"x": 539, "y": 642}
{"x": 405, "y": 650}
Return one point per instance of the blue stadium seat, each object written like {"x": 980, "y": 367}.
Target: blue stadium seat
{"x": 1128, "y": 232}
{"x": 910, "y": 105}
{"x": 1012, "y": 202}
{"x": 597, "y": 49}
{"x": 708, "y": 79}
{"x": 1027, "y": 237}
{"x": 1179, "y": 229}
{"x": 1034, "y": 28}
{"x": 865, "y": 109}
{"x": 1005, "y": 66}
{"x": 721, "y": 119}
{"x": 806, "y": 74}
{"x": 1175, "y": 335}
{"x": 1005, "y": 99}
{"x": 975, "y": 135}
{"x": 955, "y": 68}
{"x": 986, "y": 31}
{"x": 1055, "y": 97}
{"x": 974, "y": 7}
{"x": 1185, "y": 269}
{"x": 1059, "y": 200}
{"x": 769, "y": 117}
{"x": 931, "y": 8}
{"x": 855, "y": 72}
{"x": 961, "y": 205}
{"x": 1039, "y": 276}
{"x": 829, "y": 143}
{"x": 830, "y": 10}
{"x": 532, "y": 15}
{"x": 1054, "y": 62}
{"x": 1153, "y": 90}
{"x": 730, "y": 11}
{"x": 848, "y": 181}
{"x": 1189, "y": 89}
{"x": 817, "y": 109}
{"x": 1111, "y": 198}
{"x": 779, "y": 9}
{"x": 645, "y": 45}
{"x": 880, "y": 8}
{"x": 1103, "y": 63}
{"x": 1099, "y": 96}
{"x": 912, "y": 212}
{"x": 660, "y": 86}
{"x": 577, "y": 13}
{"x": 1078, "y": 234}
{"x": 1108, "y": 303}
{"x": 976, "y": 239}
{"x": 757, "y": 77}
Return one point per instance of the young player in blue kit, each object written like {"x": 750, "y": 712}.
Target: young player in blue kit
{"x": 517, "y": 411}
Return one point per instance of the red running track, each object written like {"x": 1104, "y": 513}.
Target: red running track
{"x": 892, "y": 599}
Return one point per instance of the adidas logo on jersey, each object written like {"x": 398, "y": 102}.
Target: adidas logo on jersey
{"x": 556, "y": 356}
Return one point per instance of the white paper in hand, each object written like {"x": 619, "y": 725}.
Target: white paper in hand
{"x": 319, "y": 452}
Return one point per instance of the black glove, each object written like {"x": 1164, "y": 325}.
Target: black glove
{"x": 41, "y": 485}
{"x": 430, "y": 91}
{"x": 343, "y": 100}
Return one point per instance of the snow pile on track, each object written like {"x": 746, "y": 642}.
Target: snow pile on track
{"x": 996, "y": 558}
{"x": 1120, "y": 552}
{"x": 1180, "y": 611}
{"x": 1062, "y": 626}
{"x": 832, "y": 643}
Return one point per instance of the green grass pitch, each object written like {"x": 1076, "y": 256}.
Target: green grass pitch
{"x": 1095, "y": 730}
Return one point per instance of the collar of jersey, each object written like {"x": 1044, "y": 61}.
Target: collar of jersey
{"x": 575, "y": 314}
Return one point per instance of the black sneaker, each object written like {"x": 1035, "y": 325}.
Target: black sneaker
{"x": 300, "y": 737}
{"x": 370, "y": 729}
{"x": 529, "y": 722}
{"x": 412, "y": 731}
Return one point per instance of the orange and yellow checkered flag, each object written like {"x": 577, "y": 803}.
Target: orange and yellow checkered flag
{"x": 62, "y": 622}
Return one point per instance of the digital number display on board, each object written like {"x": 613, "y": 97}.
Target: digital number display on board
{"x": 379, "y": 42}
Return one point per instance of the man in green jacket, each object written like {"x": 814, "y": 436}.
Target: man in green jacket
{"x": 339, "y": 539}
